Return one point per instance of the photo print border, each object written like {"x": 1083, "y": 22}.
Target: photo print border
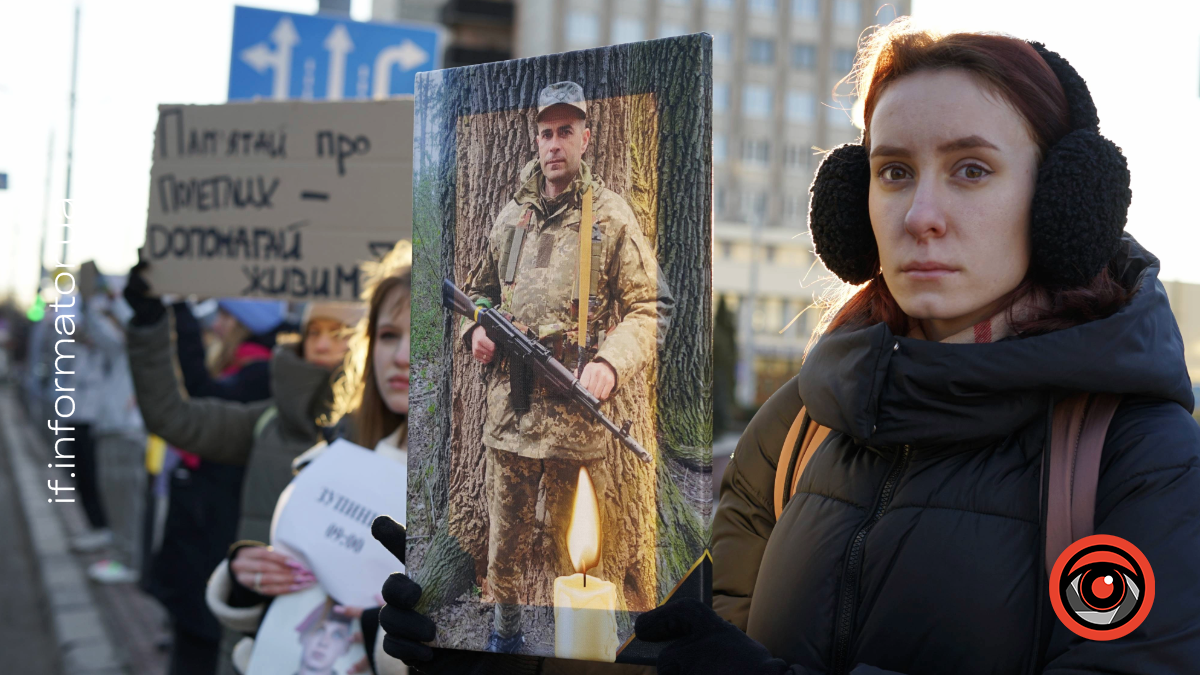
{"x": 676, "y": 73}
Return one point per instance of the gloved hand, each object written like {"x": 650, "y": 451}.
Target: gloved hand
{"x": 147, "y": 309}
{"x": 702, "y": 643}
{"x": 405, "y": 629}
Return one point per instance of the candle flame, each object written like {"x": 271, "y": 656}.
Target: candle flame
{"x": 583, "y": 535}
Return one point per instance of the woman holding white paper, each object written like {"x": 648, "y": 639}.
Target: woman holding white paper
{"x": 371, "y": 398}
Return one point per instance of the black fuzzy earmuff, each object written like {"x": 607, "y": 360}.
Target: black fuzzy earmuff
{"x": 1076, "y": 219}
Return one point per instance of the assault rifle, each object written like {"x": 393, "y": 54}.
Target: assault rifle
{"x": 526, "y": 353}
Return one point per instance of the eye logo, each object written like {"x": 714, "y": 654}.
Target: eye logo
{"x": 1102, "y": 587}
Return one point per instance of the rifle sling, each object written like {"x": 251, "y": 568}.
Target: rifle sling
{"x": 585, "y": 268}
{"x": 514, "y": 249}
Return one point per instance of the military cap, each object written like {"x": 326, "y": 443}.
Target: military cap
{"x": 566, "y": 93}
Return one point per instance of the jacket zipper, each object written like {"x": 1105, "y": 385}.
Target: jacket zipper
{"x": 849, "y": 591}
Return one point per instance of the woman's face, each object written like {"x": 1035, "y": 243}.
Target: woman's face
{"x": 223, "y": 324}
{"x": 391, "y": 343}
{"x": 953, "y": 170}
{"x": 325, "y": 342}
{"x": 324, "y": 645}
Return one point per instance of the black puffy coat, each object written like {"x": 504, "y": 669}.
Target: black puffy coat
{"x": 912, "y": 543}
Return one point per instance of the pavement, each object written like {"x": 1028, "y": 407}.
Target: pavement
{"x": 53, "y": 620}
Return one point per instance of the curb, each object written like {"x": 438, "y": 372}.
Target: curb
{"x": 83, "y": 645}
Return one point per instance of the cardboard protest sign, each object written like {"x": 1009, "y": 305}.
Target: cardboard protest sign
{"x": 324, "y": 518}
{"x": 559, "y": 481}
{"x": 277, "y": 199}
{"x": 301, "y": 633}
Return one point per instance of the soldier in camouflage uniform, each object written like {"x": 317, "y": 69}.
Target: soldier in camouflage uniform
{"x": 535, "y": 281}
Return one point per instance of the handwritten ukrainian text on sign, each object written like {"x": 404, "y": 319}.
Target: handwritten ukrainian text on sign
{"x": 277, "y": 199}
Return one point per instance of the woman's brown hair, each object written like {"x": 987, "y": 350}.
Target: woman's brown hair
{"x": 356, "y": 392}
{"x": 1013, "y": 70}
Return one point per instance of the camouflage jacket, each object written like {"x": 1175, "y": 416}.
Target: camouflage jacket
{"x": 626, "y": 320}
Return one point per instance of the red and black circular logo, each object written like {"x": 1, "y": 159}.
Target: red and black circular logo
{"x": 1102, "y": 587}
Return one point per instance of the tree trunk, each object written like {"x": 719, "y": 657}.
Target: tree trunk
{"x": 650, "y": 144}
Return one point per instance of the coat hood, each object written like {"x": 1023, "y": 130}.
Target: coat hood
{"x": 882, "y": 389}
{"x": 303, "y": 391}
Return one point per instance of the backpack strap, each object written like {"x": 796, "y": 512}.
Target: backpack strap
{"x": 802, "y": 438}
{"x": 1077, "y": 435}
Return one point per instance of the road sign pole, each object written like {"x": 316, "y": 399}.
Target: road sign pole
{"x": 71, "y": 133}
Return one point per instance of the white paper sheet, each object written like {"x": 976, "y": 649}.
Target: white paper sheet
{"x": 324, "y": 518}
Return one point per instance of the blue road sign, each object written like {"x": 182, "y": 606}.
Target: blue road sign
{"x": 280, "y": 55}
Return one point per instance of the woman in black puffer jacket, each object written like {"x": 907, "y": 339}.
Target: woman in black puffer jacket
{"x": 983, "y": 213}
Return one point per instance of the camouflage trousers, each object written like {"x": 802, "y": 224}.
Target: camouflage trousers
{"x": 524, "y": 493}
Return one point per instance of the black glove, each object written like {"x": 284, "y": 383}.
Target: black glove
{"x": 147, "y": 309}
{"x": 405, "y": 629}
{"x": 702, "y": 643}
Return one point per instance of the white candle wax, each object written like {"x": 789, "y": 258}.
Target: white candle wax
{"x": 585, "y": 619}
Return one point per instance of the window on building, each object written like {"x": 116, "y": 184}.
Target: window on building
{"x": 754, "y": 206}
{"x": 726, "y": 250}
{"x": 720, "y": 148}
{"x": 722, "y": 46}
{"x": 761, "y": 51}
{"x": 804, "y": 57}
{"x": 843, "y": 61}
{"x": 790, "y": 310}
{"x": 627, "y": 29}
{"x": 720, "y": 201}
{"x": 756, "y": 101}
{"x": 769, "y": 253}
{"x": 719, "y": 4}
{"x": 797, "y": 157}
{"x": 846, "y": 12}
{"x": 806, "y": 10}
{"x": 583, "y": 29}
{"x": 720, "y": 97}
{"x": 801, "y": 107}
{"x": 838, "y": 112}
{"x": 756, "y": 151}
{"x": 764, "y": 7}
{"x": 671, "y": 29}
{"x": 795, "y": 209}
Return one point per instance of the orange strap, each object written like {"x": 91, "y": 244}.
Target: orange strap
{"x": 795, "y": 453}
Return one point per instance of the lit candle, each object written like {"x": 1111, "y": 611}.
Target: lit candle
{"x": 585, "y": 607}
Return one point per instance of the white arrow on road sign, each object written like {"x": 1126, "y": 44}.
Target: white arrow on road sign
{"x": 407, "y": 55}
{"x": 338, "y": 44}
{"x": 260, "y": 57}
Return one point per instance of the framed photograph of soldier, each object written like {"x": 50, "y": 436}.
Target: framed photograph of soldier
{"x": 560, "y": 433}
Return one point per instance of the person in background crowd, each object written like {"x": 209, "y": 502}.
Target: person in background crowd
{"x": 263, "y": 437}
{"x": 982, "y": 214}
{"x": 372, "y": 398}
{"x": 203, "y": 497}
{"x": 89, "y": 368}
{"x": 118, "y": 433}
